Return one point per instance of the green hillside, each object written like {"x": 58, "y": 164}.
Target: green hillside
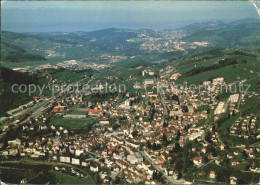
{"x": 8, "y": 98}
{"x": 238, "y": 34}
{"x": 246, "y": 67}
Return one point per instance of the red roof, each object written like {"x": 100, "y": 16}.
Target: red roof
{"x": 197, "y": 158}
{"x": 92, "y": 111}
{"x": 37, "y": 97}
{"x": 56, "y": 109}
{"x": 160, "y": 160}
{"x": 212, "y": 172}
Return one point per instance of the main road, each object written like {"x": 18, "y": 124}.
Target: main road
{"x": 168, "y": 178}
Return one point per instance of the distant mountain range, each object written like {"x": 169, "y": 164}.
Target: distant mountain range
{"x": 23, "y": 47}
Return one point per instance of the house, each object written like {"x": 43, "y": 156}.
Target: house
{"x": 58, "y": 108}
{"x": 106, "y": 180}
{"x": 64, "y": 159}
{"x": 233, "y": 180}
{"x": 170, "y": 171}
{"x": 23, "y": 181}
{"x": 75, "y": 161}
{"x": 175, "y": 76}
{"x": 234, "y": 162}
{"x": 160, "y": 160}
{"x": 131, "y": 143}
{"x": 93, "y": 112}
{"x": 148, "y": 82}
{"x": 176, "y": 175}
{"x": 36, "y": 98}
{"x": 204, "y": 150}
{"x": 210, "y": 156}
{"x": 166, "y": 156}
{"x": 222, "y": 147}
{"x": 133, "y": 159}
{"x": 197, "y": 161}
{"x": 94, "y": 167}
{"x": 84, "y": 164}
{"x": 150, "y": 170}
{"x": 104, "y": 121}
{"x": 212, "y": 175}
{"x": 191, "y": 110}
{"x": 251, "y": 155}
{"x": 217, "y": 81}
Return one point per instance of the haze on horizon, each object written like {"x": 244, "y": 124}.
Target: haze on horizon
{"x": 68, "y": 16}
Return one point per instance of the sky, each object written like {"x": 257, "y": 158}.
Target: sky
{"x": 66, "y": 16}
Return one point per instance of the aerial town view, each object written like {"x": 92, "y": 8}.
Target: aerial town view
{"x": 130, "y": 92}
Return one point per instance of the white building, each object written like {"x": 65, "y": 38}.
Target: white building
{"x": 64, "y": 159}
{"x": 75, "y": 161}
{"x": 233, "y": 98}
{"x": 217, "y": 81}
{"x": 221, "y": 108}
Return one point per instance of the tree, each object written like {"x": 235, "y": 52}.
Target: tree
{"x": 148, "y": 144}
{"x": 154, "y": 175}
{"x": 154, "y": 146}
{"x": 177, "y": 148}
{"x": 226, "y": 161}
{"x": 208, "y": 137}
{"x": 220, "y": 177}
{"x": 208, "y": 110}
{"x": 164, "y": 140}
{"x": 178, "y": 135}
{"x": 178, "y": 164}
{"x": 185, "y": 108}
{"x": 205, "y": 159}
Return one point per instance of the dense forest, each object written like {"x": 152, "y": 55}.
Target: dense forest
{"x": 9, "y": 99}
{"x": 15, "y": 56}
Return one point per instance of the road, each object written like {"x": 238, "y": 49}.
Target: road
{"x": 165, "y": 176}
{"x": 162, "y": 100}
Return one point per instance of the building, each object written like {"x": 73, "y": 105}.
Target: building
{"x": 233, "y": 98}
{"x": 75, "y": 161}
{"x": 221, "y": 108}
{"x": 191, "y": 110}
{"x": 93, "y": 112}
{"x": 175, "y": 76}
{"x": 233, "y": 180}
{"x": 75, "y": 116}
{"x": 58, "y": 108}
{"x": 94, "y": 167}
{"x": 212, "y": 175}
{"x": 148, "y": 82}
{"x": 104, "y": 121}
{"x": 197, "y": 161}
{"x": 217, "y": 81}
{"x": 64, "y": 159}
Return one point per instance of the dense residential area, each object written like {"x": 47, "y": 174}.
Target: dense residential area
{"x": 155, "y": 133}
{"x": 131, "y": 106}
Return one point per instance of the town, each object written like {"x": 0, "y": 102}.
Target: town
{"x": 130, "y": 92}
{"x": 154, "y": 133}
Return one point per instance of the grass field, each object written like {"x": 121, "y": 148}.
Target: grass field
{"x": 77, "y": 112}
{"x": 21, "y": 171}
{"x": 74, "y": 123}
{"x": 67, "y": 179}
{"x": 228, "y": 123}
